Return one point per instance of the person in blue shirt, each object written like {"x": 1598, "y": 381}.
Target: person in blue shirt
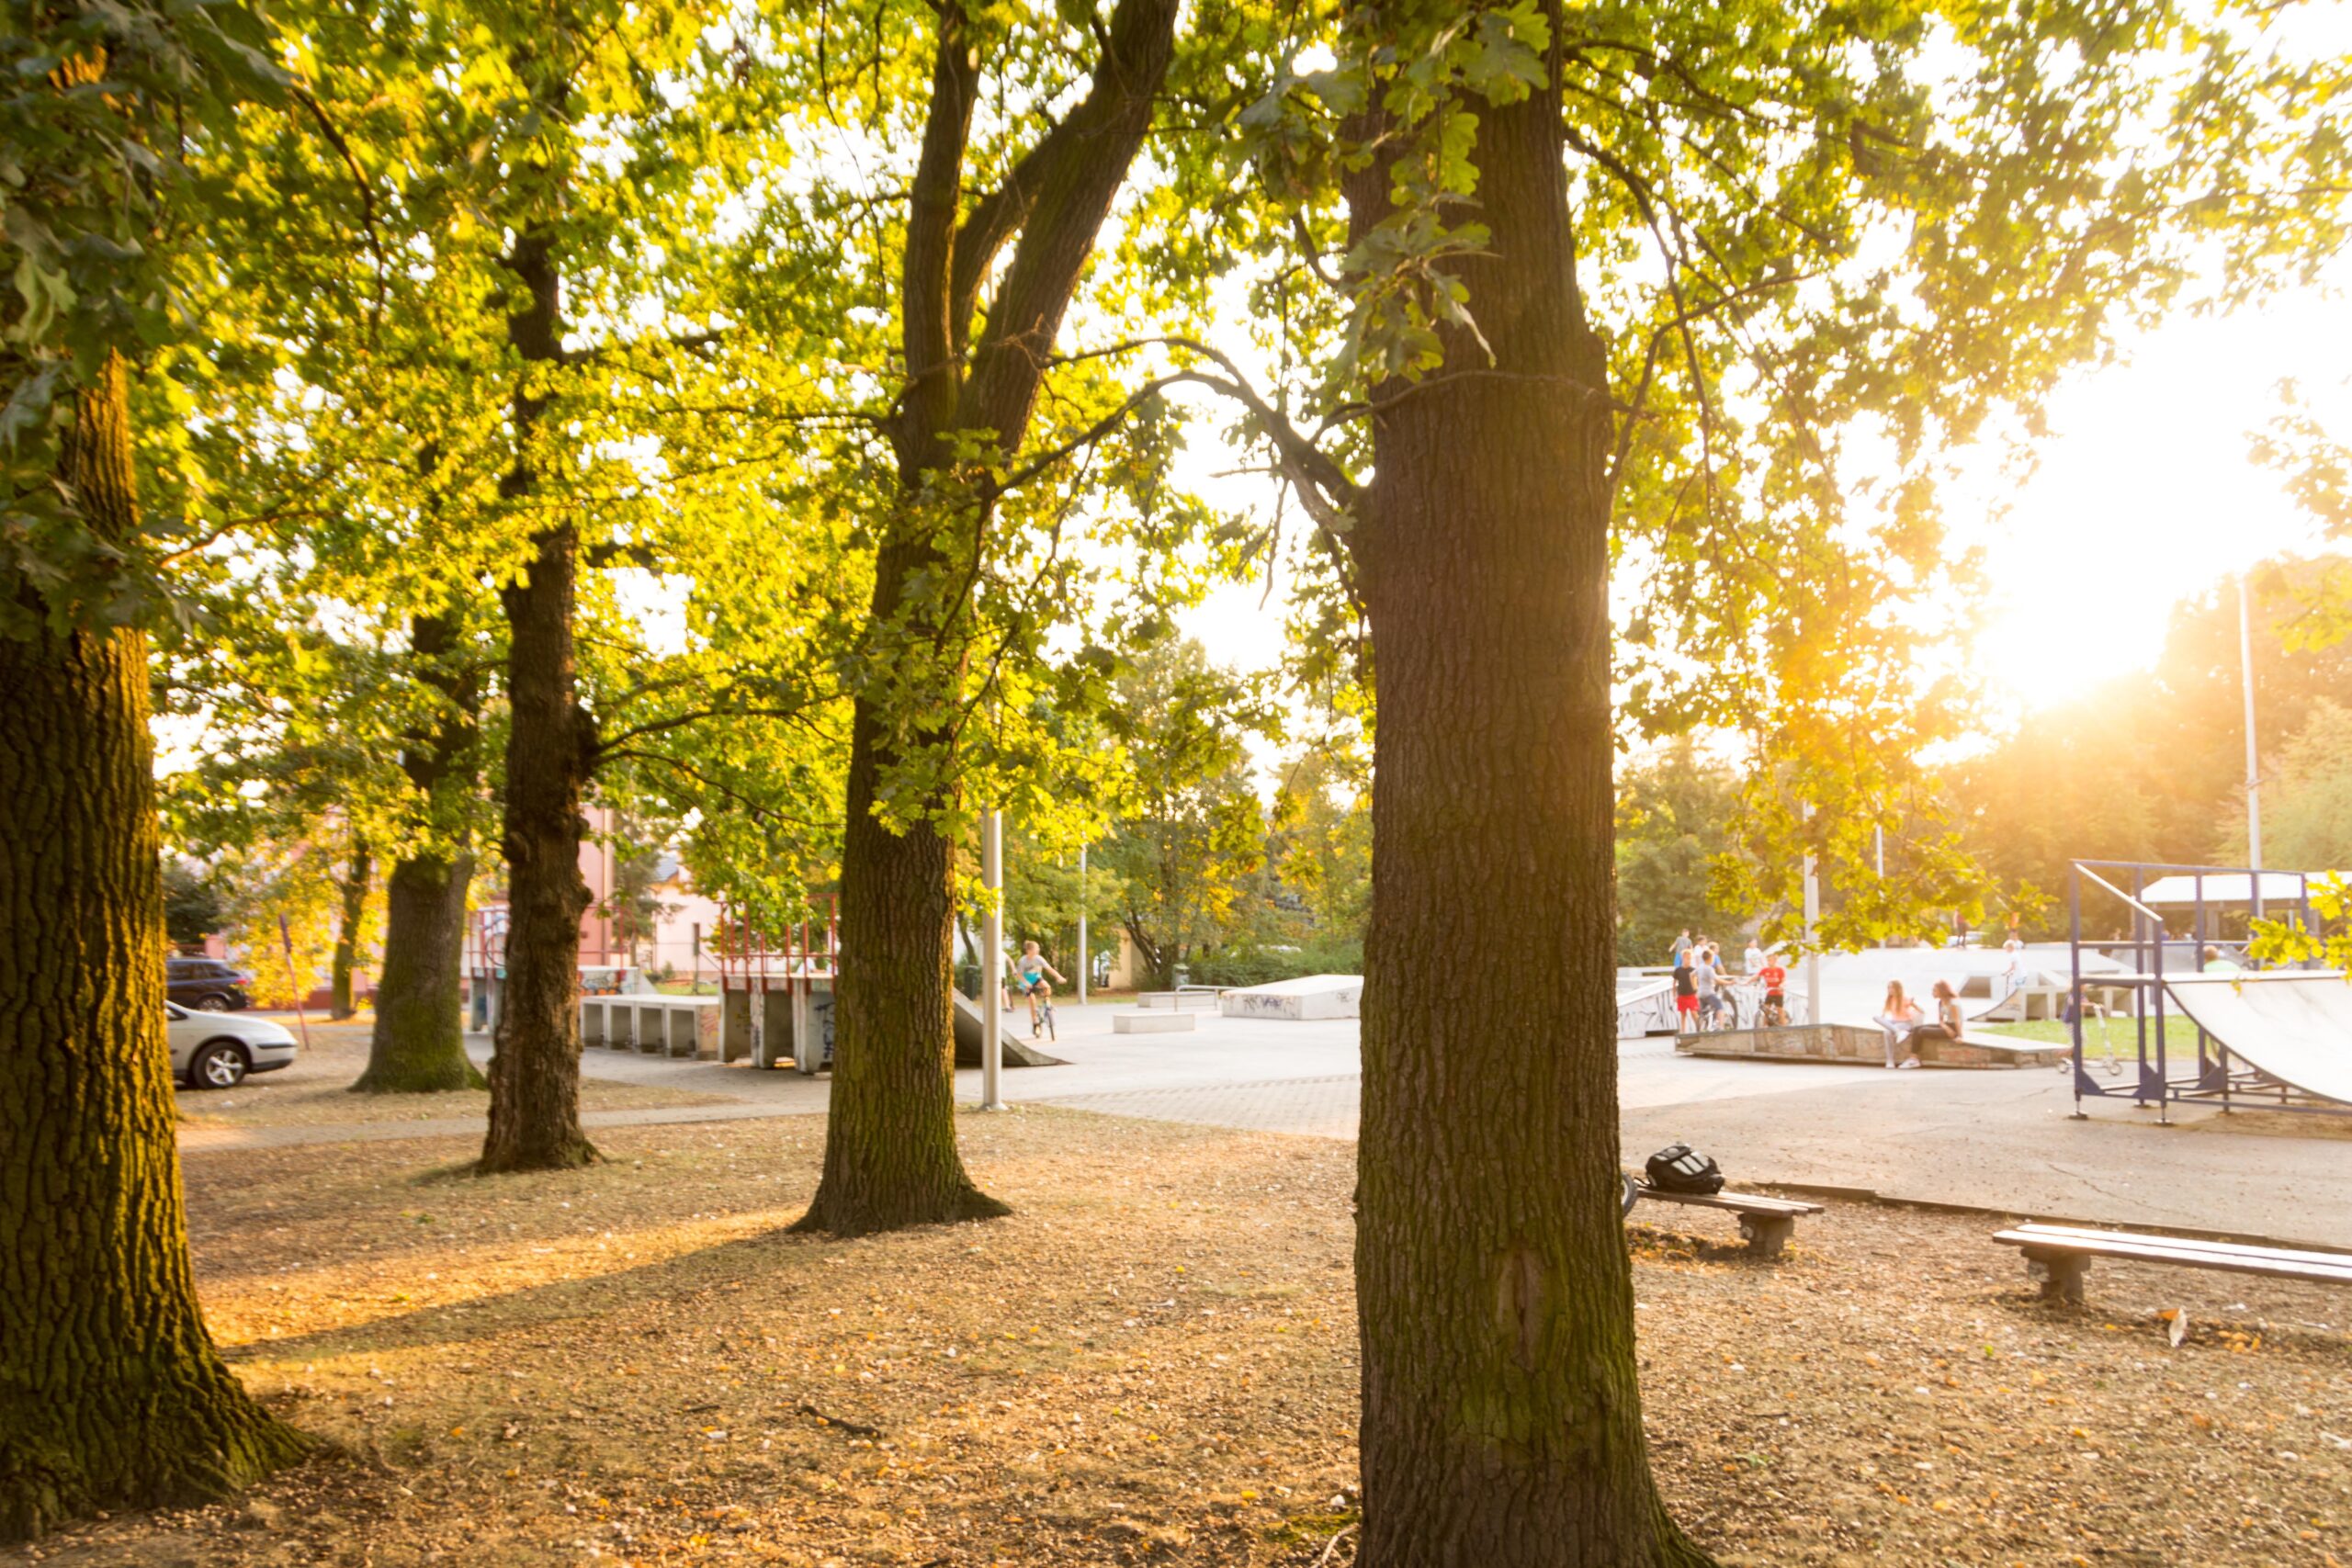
{"x": 1032, "y": 968}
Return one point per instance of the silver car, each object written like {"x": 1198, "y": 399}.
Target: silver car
{"x": 215, "y": 1050}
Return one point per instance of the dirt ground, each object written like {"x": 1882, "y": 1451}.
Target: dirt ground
{"x": 315, "y": 1090}
{"x": 1154, "y": 1361}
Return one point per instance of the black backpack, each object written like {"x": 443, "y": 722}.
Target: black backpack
{"x": 1678, "y": 1168}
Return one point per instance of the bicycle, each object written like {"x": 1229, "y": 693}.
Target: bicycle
{"x": 1041, "y": 1001}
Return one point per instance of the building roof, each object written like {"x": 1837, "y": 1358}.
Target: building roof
{"x": 2230, "y": 887}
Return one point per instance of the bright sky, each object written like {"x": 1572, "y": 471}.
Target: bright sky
{"x": 2142, "y": 494}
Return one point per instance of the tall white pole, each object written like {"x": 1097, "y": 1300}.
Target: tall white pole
{"x": 992, "y": 961}
{"x": 1812, "y": 916}
{"x": 1085, "y": 953}
{"x": 2253, "y": 757}
{"x": 1878, "y": 856}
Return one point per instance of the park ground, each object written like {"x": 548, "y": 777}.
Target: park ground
{"x": 1153, "y": 1360}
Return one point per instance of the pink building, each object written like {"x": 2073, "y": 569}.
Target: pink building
{"x": 681, "y": 928}
{"x": 677, "y": 941}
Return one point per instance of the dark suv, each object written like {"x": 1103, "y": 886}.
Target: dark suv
{"x": 207, "y": 985}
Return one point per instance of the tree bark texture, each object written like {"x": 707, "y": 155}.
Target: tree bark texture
{"x": 111, "y": 1391}
{"x": 550, "y": 752}
{"x": 419, "y": 1042}
{"x": 354, "y": 886}
{"x": 1502, "y": 1413}
{"x": 890, "y": 1155}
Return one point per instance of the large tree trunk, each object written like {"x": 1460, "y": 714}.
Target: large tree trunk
{"x": 890, "y": 1155}
{"x": 354, "y": 888}
{"x": 419, "y": 1044}
{"x": 550, "y": 750}
{"x": 1501, "y": 1419}
{"x": 111, "y": 1393}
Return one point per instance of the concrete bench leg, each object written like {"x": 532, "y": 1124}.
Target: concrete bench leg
{"x": 734, "y": 1026}
{"x": 1766, "y": 1233}
{"x": 775, "y": 1029}
{"x": 2059, "y": 1273}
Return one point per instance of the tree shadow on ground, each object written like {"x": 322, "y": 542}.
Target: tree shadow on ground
{"x": 677, "y": 1286}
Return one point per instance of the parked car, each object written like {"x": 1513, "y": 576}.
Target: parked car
{"x": 210, "y": 1050}
{"x": 207, "y": 985}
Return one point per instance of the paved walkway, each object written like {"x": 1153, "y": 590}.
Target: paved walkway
{"x": 1996, "y": 1140}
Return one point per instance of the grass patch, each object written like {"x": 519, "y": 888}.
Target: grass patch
{"x": 2123, "y": 1033}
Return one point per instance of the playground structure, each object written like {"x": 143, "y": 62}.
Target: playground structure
{"x": 775, "y": 991}
{"x": 2277, "y": 1040}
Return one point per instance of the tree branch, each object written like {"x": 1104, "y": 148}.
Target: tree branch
{"x": 605, "y": 748}
{"x": 750, "y": 807}
{"x": 328, "y": 129}
{"x": 927, "y": 340}
{"x": 1081, "y": 165}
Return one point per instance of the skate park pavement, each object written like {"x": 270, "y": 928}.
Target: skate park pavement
{"x": 2000, "y": 1141}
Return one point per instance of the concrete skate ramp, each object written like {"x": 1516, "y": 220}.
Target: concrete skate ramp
{"x": 2296, "y": 1026}
{"x": 1644, "y": 1004}
{"x": 1308, "y": 997}
{"x": 968, "y": 1040}
{"x": 1853, "y": 985}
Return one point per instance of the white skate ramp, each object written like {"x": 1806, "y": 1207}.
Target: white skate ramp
{"x": 1308, "y": 997}
{"x": 1644, "y": 1004}
{"x": 1853, "y": 985}
{"x": 2295, "y": 1026}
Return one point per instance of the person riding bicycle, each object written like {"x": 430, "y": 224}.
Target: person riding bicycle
{"x": 1707, "y": 975}
{"x": 1774, "y": 979}
{"x": 1033, "y": 969}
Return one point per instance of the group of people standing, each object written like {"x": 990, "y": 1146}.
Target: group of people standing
{"x": 1702, "y": 984}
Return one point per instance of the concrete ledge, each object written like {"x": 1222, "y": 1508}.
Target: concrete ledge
{"x": 1309, "y": 997}
{"x": 1850, "y": 1045}
{"x": 1153, "y": 1022}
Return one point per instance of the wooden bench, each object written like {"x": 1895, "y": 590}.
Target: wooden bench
{"x": 2059, "y": 1256}
{"x": 1767, "y": 1223}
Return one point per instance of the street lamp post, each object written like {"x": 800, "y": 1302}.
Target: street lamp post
{"x": 992, "y": 961}
{"x": 2253, "y": 756}
{"x": 1812, "y": 916}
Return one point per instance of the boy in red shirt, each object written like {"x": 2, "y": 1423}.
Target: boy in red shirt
{"x": 1772, "y": 977}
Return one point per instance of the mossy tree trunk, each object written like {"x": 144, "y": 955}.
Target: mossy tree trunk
{"x": 358, "y": 873}
{"x": 890, "y": 1154}
{"x": 1501, "y": 1411}
{"x": 550, "y": 755}
{"x": 419, "y": 1044}
{"x": 111, "y": 1391}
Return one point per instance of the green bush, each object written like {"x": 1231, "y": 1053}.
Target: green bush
{"x": 1262, "y": 966}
